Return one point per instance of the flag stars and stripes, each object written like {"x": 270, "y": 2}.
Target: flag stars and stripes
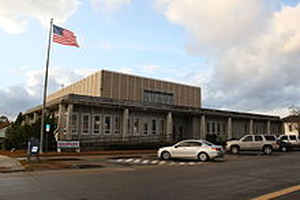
{"x": 64, "y": 36}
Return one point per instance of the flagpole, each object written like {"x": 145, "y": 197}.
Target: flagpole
{"x": 45, "y": 90}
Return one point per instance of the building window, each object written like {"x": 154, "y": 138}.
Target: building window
{"x": 136, "y": 126}
{"x": 158, "y": 97}
{"x": 145, "y": 128}
{"x": 153, "y": 126}
{"x": 74, "y": 124}
{"x": 129, "y": 125}
{"x": 107, "y": 124}
{"x": 162, "y": 127}
{"x": 219, "y": 128}
{"x": 85, "y": 124}
{"x": 117, "y": 124}
{"x": 208, "y": 127}
{"x": 290, "y": 127}
{"x": 96, "y": 124}
{"x": 246, "y": 128}
{"x": 213, "y": 127}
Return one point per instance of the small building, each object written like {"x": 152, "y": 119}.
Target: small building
{"x": 109, "y": 108}
{"x": 291, "y": 125}
{"x": 2, "y": 137}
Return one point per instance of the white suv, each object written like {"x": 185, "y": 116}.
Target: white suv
{"x": 252, "y": 143}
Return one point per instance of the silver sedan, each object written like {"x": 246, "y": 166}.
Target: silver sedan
{"x": 191, "y": 149}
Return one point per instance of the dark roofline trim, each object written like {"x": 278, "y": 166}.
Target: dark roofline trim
{"x": 111, "y": 103}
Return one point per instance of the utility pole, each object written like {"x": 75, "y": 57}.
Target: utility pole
{"x": 45, "y": 90}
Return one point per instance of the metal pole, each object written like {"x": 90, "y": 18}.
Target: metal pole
{"x": 45, "y": 89}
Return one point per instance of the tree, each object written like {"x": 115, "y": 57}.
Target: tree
{"x": 18, "y": 134}
{"x": 4, "y": 122}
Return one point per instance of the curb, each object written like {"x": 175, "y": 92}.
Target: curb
{"x": 6, "y": 171}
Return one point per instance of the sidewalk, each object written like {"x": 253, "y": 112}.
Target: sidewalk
{"x": 17, "y": 161}
{"x": 8, "y": 164}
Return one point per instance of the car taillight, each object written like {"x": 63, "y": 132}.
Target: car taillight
{"x": 216, "y": 149}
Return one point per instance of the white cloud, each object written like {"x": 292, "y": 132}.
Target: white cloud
{"x": 254, "y": 46}
{"x": 109, "y": 5}
{"x": 19, "y": 98}
{"x": 15, "y": 14}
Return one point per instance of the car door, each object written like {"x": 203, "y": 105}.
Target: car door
{"x": 192, "y": 149}
{"x": 179, "y": 150}
{"x": 246, "y": 143}
{"x": 258, "y": 142}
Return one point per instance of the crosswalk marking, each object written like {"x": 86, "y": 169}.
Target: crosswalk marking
{"x": 162, "y": 162}
{"x": 154, "y": 162}
{"x": 139, "y": 161}
{"x": 145, "y": 162}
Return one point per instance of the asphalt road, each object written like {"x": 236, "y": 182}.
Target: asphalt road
{"x": 242, "y": 177}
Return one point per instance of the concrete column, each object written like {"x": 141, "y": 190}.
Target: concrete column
{"x": 229, "y": 128}
{"x": 196, "y": 132}
{"x": 35, "y": 117}
{"x": 203, "y": 127}
{"x": 27, "y": 119}
{"x": 59, "y": 132}
{"x": 125, "y": 124}
{"x": 251, "y": 126}
{"x": 169, "y": 127}
{"x": 269, "y": 127}
{"x": 68, "y": 122}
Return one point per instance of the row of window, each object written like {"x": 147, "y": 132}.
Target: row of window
{"x": 109, "y": 124}
{"x": 158, "y": 97}
{"x": 215, "y": 127}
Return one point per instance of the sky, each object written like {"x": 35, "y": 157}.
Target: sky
{"x": 244, "y": 54}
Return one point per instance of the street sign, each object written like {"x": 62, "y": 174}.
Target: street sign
{"x": 67, "y": 144}
{"x": 47, "y": 127}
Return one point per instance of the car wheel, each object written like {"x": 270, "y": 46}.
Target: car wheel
{"x": 203, "y": 157}
{"x": 267, "y": 150}
{"x": 283, "y": 149}
{"x": 165, "y": 155}
{"x": 235, "y": 150}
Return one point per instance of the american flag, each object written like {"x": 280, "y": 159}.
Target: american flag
{"x": 64, "y": 36}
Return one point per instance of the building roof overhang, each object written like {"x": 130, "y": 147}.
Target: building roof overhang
{"x": 123, "y": 104}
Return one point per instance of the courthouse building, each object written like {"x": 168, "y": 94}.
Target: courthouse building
{"x": 110, "y": 108}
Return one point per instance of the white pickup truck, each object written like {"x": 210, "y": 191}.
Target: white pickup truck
{"x": 252, "y": 143}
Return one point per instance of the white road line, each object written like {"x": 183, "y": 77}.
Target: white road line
{"x": 145, "y": 162}
{"x": 191, "y": 163}
{"x": 172, "y": 163}
{"x": 120, "y": 160}
{"x": 162, "y": 162}
{"x": 181, "y": 163}
{"x": 154, "y": 162}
